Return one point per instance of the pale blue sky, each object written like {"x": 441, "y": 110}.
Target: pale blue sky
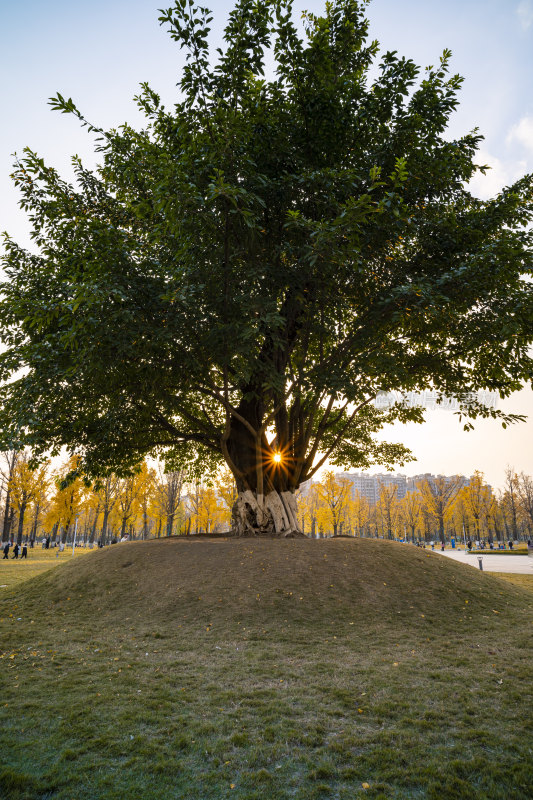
{"x": 99, "y": 52}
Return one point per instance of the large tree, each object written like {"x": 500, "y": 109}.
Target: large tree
{"x": 240, "y": 278}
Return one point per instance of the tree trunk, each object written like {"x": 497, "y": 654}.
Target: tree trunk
{"x": 92, "y": 534}
{"x": 21, "y": 523}
{"x": 54, "y": 531}
{"x": 103, "y": 535}
{"x": 266, "y": 503}
{"x": 274, "y": 514}
{"x": 441, "y": 529}
{"x": 8, "y": 525}
{"x": 170, "y": 524}
{"x": 33, "y": 532}
{"x": 8, "y": 518}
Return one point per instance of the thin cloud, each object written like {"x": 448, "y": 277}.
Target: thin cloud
{"x": 501, "y": 173}
{"x": 525, "y": 14}
{"x": 522, "y": 133}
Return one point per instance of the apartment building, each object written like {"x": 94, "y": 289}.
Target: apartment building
{"x": 369, "y": 486}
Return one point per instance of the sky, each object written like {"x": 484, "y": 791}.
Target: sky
{"x": 98, "y": 53}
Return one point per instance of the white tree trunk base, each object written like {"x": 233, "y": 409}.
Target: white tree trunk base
{"x": 272, "y": 515}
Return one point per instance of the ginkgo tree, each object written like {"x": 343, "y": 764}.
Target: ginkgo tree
{"x": 8, "y": 462}
{"x": 26, "y": 485}
{"x": 239, "y": 279}
{"x": 478, "y": 498}
{"x": 145, "y": 497}
{"x": 67, "y": 501}
{"x": 438, "y": 496}
{"x": 333, "y": 496}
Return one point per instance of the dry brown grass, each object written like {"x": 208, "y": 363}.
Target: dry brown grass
{"x": 247, "y": 575}
{"x": 524, "y": 581}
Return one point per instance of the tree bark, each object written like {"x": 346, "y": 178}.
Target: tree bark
{"x": 274, "y": 514}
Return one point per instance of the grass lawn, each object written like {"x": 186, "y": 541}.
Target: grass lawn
{"x": 14, "y": 571}
{"x": 242, "y": 669}
{"x": 525, "y": 581}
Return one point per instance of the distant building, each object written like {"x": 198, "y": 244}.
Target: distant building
{"x": 305, "y": 487}
{"x": 428, "y": 476}
{"x": 369, "y": 486}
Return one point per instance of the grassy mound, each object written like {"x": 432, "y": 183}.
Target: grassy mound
{"x": 262, "y": 669}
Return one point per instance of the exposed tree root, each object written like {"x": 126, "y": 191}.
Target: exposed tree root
{"x": 272, "y": 515}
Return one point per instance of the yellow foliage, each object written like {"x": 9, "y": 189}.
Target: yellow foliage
{"x": 211, "y": 512}
{"x": 227, "y": 489}
{"x": 333, "y": 494}
{"x": 66, "y": 502}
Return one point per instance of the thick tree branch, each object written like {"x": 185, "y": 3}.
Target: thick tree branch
{"x": 308, "y": 473}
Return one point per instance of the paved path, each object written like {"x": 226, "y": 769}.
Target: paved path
{"x": 492, "y": 563}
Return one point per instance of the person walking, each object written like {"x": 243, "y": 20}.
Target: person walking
{"x": 15, "y": 551}
{"x": 24, "y": 552}
{"x": 6, "y": 550}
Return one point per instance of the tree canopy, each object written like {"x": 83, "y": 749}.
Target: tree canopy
{"x": 238, "y": 279}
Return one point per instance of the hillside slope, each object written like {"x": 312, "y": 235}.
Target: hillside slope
{"x": 258, "y": 577}
{"x": 212, "y": 668}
